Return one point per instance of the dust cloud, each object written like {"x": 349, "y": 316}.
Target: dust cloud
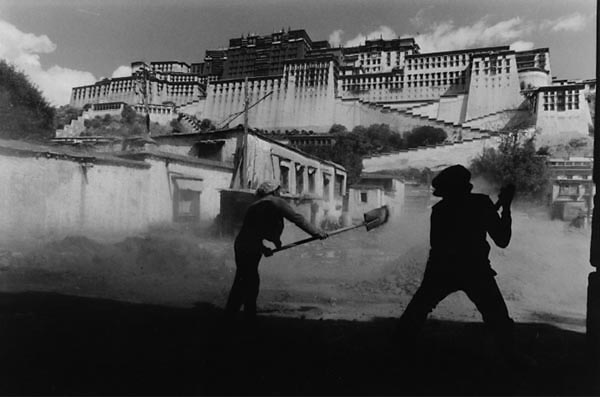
{"x": 354, "y": 275}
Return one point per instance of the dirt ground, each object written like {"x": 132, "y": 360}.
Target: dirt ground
{"x": 143, "y": 316}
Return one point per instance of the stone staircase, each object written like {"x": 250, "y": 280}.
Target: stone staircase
{"x": 190, "y": 107}
{"x": 190, "y": 122}
{"x": 457, "y": 131}
{"x": 74, "y": 128}
{"x": 429, "y": 110}
{"x": 432, "y": 156}
{"x": 498, "y": 120}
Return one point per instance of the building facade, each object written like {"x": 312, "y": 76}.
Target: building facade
{"x": 572, "y": 187}
{"x": 294, "y": 82}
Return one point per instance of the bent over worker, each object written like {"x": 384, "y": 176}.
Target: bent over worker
{"x": 458, "y": 257}
{"x": 263, "y": 221}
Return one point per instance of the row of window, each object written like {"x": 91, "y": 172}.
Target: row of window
{"x": 561, "y": 100}
{"x": 433, "y": 76}
{"x": 573, "y": 190}
{"x": 492, "y": 70}
{"x": 284, "y": 180}
{"x": 169, "y": 68}
{"x": 581, "y": 177}
{"x": 427, "y": 83}
{"x": 493, "y": 62}
{"x": 305, "y": 66}
{"x": 561, "y": 107}
{"x": 439, "y": 58}
{"x": 436, "y": 65}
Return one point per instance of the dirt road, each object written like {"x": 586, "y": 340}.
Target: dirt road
{"x": 353, "y": 276}
{"x": 143, "y": 316}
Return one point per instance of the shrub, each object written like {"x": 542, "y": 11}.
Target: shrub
{"x": 24, "y": 112}
{"x": 515, "y": 161}
{"x": 425, "y": 135}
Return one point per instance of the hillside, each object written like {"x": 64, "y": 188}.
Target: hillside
{"x": 24, "y": 112}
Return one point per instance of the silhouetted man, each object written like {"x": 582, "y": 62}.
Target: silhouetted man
{"x": 458, "y": 258}
{"x": 263, "y": 221}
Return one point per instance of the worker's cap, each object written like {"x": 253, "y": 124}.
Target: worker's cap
{"x": 267, "y": 187}
{"x": 452, "y": 180}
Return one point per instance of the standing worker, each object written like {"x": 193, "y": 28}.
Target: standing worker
{"x": 458, "y": 258}
{"x": 263, "y": 221}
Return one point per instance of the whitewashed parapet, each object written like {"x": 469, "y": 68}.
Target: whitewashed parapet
{"x": 435, "y": 156}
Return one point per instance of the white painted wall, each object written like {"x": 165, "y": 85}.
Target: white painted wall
{"x": 376, "y": 197}
{"x": 491, "y": 93}
{"x": 555, "y": 123}
{"x": 433, "y": 158}
{"x": 45, "y": 198}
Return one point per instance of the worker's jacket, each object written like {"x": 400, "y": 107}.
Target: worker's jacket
{"x": 264, "y": 220}
{"x": 458, "y": 232}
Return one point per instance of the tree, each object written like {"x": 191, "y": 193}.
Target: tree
{"x": 207, "y": 125}
{"x": 65, "y": 114}
{"x": 350, "y": 147}
{"x": 338, "y": 129}
{"x": 425, "y": 135}
{"x": 24, "y": 112}
{"x": 515, "y": 161}
{"x": 128, "y": 124}
{"x": 129, "y": 115}
{"x": 381, "y": 138}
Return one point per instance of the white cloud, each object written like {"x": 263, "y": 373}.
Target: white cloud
{"x": 335, "y": 38}
{"x": 23, "y": 50}
{"x": 521, "y": 45}
{"x": 574, "y": 23}
{"x": 446, "y": 37}
{"x": 122, "y": 71}
{"x": 419, "y": 19}
{"x": 383, "y": 31}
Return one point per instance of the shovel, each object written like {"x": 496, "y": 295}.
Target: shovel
{"x": 372, "y": 219}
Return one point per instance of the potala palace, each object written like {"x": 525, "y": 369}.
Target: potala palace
{"x": 294, "y": 82}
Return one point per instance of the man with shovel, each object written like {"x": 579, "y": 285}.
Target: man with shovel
{"x": 263, "y": 221}
{"x": 458, "y": 258}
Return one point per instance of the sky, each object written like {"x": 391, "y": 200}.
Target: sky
{"x": 62, "y": 44}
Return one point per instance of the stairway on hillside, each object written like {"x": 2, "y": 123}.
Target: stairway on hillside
{"x": 74, "y": 128}
{"x": 191, "y": 122}
{"x": 503, "y": 118}
{"x": 429, "y": 110}
{"x": 190, "y": 107}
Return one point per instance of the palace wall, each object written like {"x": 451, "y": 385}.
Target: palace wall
{"x": 433, "y": 157}
{"x": 563, "y": 110}
{"x": 494, "y": 85}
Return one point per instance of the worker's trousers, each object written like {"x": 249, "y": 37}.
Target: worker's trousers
{"x": 481, "y": 288}
{"x": 244, "y": 290}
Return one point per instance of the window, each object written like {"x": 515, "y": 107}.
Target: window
{"x": 284, "y": 175}
{"x": 326, "y": 187}
{"x": 339, "y": 185}
{"x": 560, "y": 101}
{"x": 186, "y": 199}
{"x": 299, "y": 179}
{"x": 311, "y": 179}
{"x": 364, "y": 198}
{"x": 568, "y": 190}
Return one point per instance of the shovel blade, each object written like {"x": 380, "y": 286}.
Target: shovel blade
{"x": 376, "y": 217}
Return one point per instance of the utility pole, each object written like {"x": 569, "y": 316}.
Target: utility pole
{"x": 243, "y": 172}
{"x": 146, "y": 104}
{"x": 143, "y": 81}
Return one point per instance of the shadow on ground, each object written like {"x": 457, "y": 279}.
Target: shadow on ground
{"x": 53, "y": 344}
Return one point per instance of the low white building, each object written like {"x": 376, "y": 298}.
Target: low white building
{"x": 51, "y": 192}
{"x": 316, "y": 187}
{"x": 374, "y": 191}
